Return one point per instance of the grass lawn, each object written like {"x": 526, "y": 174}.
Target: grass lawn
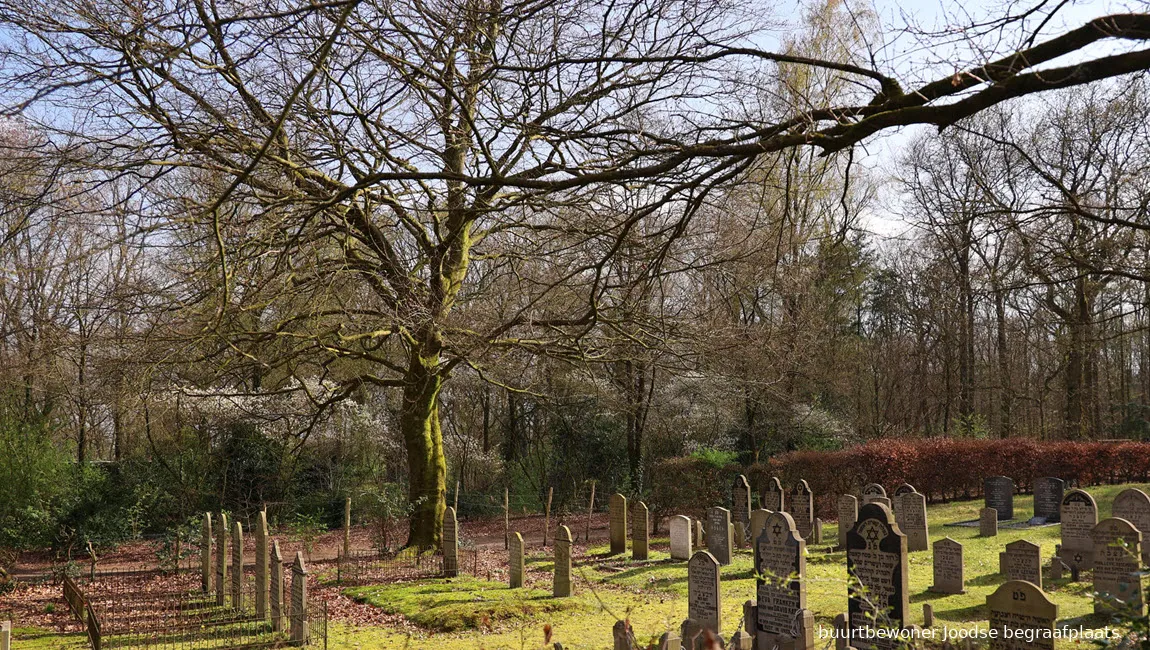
{"x": 653, "y": 594}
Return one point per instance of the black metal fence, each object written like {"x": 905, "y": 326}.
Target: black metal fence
{"x": 371, "y": 566}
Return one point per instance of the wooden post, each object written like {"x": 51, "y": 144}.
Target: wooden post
{"x": 347, "y": 527}
{"x": 547, "y": 514}
{"x": 590, "y": 511}
{"x": 506, "y": 519}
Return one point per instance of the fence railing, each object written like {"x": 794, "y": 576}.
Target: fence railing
{"x": 367, "y": 566}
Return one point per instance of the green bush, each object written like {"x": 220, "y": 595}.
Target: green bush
{"x": 36, "y": 485}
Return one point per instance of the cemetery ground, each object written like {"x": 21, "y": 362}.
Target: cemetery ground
{"x": 478, "y": 609}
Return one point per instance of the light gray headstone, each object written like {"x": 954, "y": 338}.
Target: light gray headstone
{"x": 617, "y": 509}
{"x": 848, "y": 511}
{"x": 1133, "y": 505}
{"x": 238, "y": 566}
{"x": 1079, "y": 516}
{"x": 758, "y": 520}
{"x": 563, "y": 543}
{"x": 276, "y": 593}
{"x": 1118, "y": 583}
{"x": 1018, "y": 611}
{"x": 948, "y": 567}
{"x": 704, "y": 602}
{"x": 515, "y": 560}
{"x": 206, "y": 553}
{"x": 262, "y": 580}
{"x": 640, "y": 531}
{"x": 912, "y": 520}
{"x": 873, "y": 491}
{"x": 299, "y": 605}
{"x": 450, "y": 542}
{"x": 741, "y": 510}
{"x": 680, "y": 530}
{"x": 222, "y": 559}
{"x": 1022, "y": 560}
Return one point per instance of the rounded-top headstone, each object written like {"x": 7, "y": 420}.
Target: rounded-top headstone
{"x": 772, "y": 496}
{"x": 877, "y": 562}
{"x": 872, "y": 491}
{"x": 1079, "y": 516}
{"x": 905, "y": 488}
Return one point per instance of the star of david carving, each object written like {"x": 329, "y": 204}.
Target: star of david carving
{"x": 1077, "y": 558}
{"x": 778, "y": 530}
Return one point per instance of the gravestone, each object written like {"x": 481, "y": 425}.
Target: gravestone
{"x": 700, "y": 534}
{"x": 622, "y": 636}
{"x": 450, "y": 541}
{"x": 877, "y": 569}
{"x": 1133, "y": 505}
{"x": 772, "y": 496}
{"x": 987, "y": 522}
{"x": 842, "y": 630}
{"x": 617, "y": 509}
{"x": 276, "y": 593}
{"x": 817, "y": 532}
{"x": 680, "y": 529}
{"x": 704, "y": 605}
{"x": 999, "y": 494}
{"x": 1054, "y": 570}
{"x": 1022, "y": 560}
{"x": 640, "y": 524}
{"x": 515, "y": 559}
{"x": 948, "y": 567}
{"x": 741, "y": 510}
{"x": 221, "y": 559}
{"x": 719, "y": 531}
{"x": 758, "y": 520}
{"x": 803, "y": 509}
{"x": 1048, "y": 499}
{"x": 5, "y": 635}
{"x": 298, "y": 633}
{"x": 262, "y": 565}
{"x": 1022, "y": 617}
{"x": 562, "y": 579}
{"x": 780, "y": 582}
{"x": 347, "y": 524}
{"x": 872, "y": 491}
{"x": 1117, "y": 554}
{"x": 895, "y": 497}
{"x": 927, "y": 615}
{"x": 912, "y": 521}
{"x": 238, "y": 566}
{"x": 206, "y": 553}
{"x": 1079, "y": 517}
{"x": 848, "y": 510}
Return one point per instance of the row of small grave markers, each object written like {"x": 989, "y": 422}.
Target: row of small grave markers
{"x": 877, "y": 537}
{"x": 269, "y": 574}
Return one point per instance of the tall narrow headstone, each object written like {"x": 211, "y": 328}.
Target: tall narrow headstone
{"x": 1048, "y": 498}
{"x": 803, "y": 508}
{"x": 848, "y": 510}
{"x": 1021, "y": 617}
{"x": 700, "y": 534}
{"x": 298, "y": 633}
{"x": 617, "y": 509}
{"x": 877, "y": 572}
{"x": 1079, "y": 517}
{"x": 780, "y": 583}
{"x": 912, "y": 521}
{"x": 450, "y": 540}
{"x": 987, "y": 522}
{"x": 640, "y": 527}
{"x": 741, "y": 510}
{"x": 999, "y": 494}
{"x": 948, "y": 568}
{"x": 772, "y": 496}
{"x": 719, "y": 530}
{"x": 206, "y": 553}
{"x": 238, "y": 566}
{"x": 561, "y": 588}
{"x": 6, "y": 635}
{"x": 758, "y": 520}
{"x": 1022, "y": 560}
{"x": 680, "y": 529}
{"x": 872, "y": 491}
{"x": 515, "y": 573}
{"x": 222, "y": 559}
{"x": 262, "y": 583}
{"x": 1133, "y": 505}
{"x": 1118, "y": 584}
{"x": 276, "y": 593}
{"x": 704, "y": 605}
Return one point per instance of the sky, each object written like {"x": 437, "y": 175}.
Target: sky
{"x": 905, "y": 54}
